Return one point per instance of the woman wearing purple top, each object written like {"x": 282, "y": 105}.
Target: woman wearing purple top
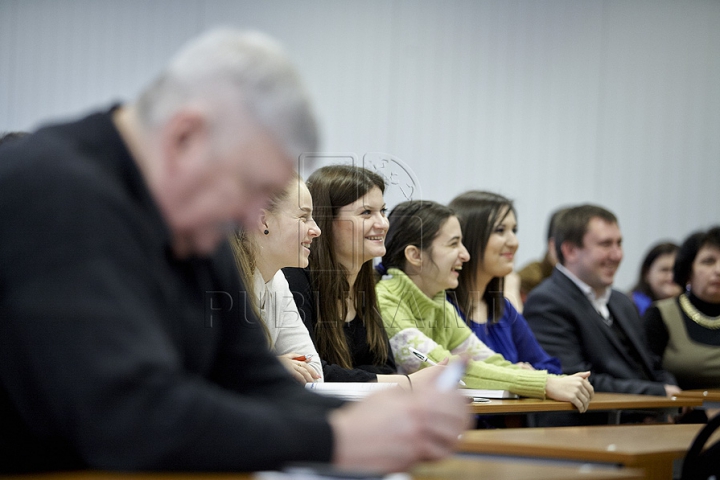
{"x": 489, "y": 225}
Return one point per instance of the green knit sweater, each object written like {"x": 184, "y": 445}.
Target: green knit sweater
{"x": 433, "y": 326}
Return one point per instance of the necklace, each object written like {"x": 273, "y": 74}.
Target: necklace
{"x": 696, "y": 316}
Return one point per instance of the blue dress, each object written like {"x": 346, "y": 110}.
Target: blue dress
{"x": 512, "y": 338}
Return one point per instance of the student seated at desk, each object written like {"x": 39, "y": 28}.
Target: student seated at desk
{"x": 684, "y": 332}
{"x": 489, "y": 225}
{"x": 124, "y": 341}
{"x": 336, "y": 295}
{"x": 280, "y": 237}
{"x": 424, "y": 256}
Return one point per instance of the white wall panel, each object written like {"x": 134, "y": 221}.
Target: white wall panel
{"x": 550, "y": 102}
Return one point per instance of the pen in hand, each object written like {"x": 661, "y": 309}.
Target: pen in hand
{"x": 424, "y": 358}
{"x": 303, "y": 358}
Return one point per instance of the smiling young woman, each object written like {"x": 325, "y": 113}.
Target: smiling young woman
{"x": 425, "y": 252}
{"x": 336, "y": 294}
{"x": 489, "y": 226}
{"x": 280, "y": 236}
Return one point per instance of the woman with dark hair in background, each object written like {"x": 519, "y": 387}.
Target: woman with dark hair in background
{"x": 424, "y": 256}
{"x": 685, "y": 331}
{"x": 489, "y": 227}
{"x": 656, "y": 277}
{"x": 336, "y": 295}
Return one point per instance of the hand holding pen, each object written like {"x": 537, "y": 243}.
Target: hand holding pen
{"x": 424, "y": 358}
{"x": 297, "y": 365}
{"x": 303, "y": 358}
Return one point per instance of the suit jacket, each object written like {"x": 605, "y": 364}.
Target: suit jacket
{"x": 568, "y": 327}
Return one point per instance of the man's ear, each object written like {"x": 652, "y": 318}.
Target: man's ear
{"x": 413, "y": 256}
{"x": 185, "y": 137}
{"x": 569, "y": 251}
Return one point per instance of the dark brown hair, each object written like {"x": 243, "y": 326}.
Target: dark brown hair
{"x": 655, "y": 252}
{"x": 572, "y": 225}
{"x": 689, "y": 250}
{"x": 479, "y": 212}
{"x": 417, "y": 223}
{"x": 332, "y": 188}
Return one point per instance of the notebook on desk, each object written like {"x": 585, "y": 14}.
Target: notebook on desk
{"x": 478, "y": 392}
{"x": 351, "y": 391}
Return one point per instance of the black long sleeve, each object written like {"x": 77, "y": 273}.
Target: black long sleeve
{"x": 365, "y": 369}
{"x": 113, "y": 353}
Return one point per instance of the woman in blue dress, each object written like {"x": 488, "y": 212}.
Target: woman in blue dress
{"x": 489, "y": 227}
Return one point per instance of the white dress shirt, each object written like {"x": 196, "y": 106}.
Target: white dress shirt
{"x": 600, "y": 303}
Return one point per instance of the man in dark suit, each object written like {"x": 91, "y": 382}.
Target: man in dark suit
{"x": 579, "y": 318}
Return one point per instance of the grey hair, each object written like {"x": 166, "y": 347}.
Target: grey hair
{"x": 232, "y": 72}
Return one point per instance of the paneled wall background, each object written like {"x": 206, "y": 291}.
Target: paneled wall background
{"x": 549, "y": 102}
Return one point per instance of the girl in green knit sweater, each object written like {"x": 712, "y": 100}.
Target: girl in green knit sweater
{"x": 424, "y": 253}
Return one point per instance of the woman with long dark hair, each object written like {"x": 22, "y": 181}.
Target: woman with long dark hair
{"x": 336, "y": 294}
{"x": 424, "y": 256}
{"x": 655, "y": 281}
{"x": 489, "y": 224}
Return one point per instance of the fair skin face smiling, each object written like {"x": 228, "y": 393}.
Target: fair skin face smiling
{"x": 660, "y": 277}
{"x": 291, "y": 232}
{"x": 497, "y": 260}
{"x": 360, "y": 230}
{"x": 437, "y": 269}
{"x": 705, "y": 276}
{"x": 596, "y": 262}
{"x": 200, "y": 192}
{"x": 449, "y": 254}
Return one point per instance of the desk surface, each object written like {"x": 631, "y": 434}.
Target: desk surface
{"x": 651, "y": 447}
{"x": 450, "y": 469}
{"x": 601, "y": 401}
{"x": 709, "y": 395}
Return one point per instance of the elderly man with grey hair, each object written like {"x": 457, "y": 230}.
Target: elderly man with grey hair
{"x": 124, "y": 338}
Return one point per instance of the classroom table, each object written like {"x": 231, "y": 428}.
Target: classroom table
{"x": 652, "y": 448}
{"x": 602, "y": 401}
{"x": 709, "y": 397}
{"x": 456, "y": 468}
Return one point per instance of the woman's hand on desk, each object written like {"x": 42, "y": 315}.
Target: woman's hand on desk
{"x": 300, "y": 371}
{"x": 575, "y": 389}
{"x": 393, "y": 429}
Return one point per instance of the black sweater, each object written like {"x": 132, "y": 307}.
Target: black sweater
{"x": 113, "y": 353}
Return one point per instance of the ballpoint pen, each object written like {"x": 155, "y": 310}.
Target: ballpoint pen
{"x": 424, "y": 358}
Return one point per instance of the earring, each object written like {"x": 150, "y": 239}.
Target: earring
{"x": 266, "y": 231}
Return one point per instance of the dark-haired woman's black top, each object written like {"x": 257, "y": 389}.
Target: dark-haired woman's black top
{"x": 364, "y": 368}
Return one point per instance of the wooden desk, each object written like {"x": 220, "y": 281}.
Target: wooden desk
{"x": 652, "y": 448}
{"x": 710, "y": 397}
{"x": 451, "y": 469}
{"x": 511, "y": 469}
{"x": 602, "y": 401}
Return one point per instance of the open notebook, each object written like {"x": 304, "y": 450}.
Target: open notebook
{"x": 348, "y": 390}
